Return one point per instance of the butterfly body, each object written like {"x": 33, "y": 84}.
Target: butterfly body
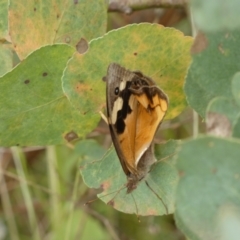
{"x": 135, "y": 109}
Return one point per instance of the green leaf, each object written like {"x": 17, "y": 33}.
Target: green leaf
{"x": 222, "y": 115}
{"x": 207, "y": 196}
{"x": 34, "y": 24}
{"x": 3, "y": 19}
{"x": 6, "y": 58}
{"x": 236, "y": 129}
{"x": 34, "y": 110}
{"x": 107, "y": 173}
{"x": 88, "y": 150}
{"x": 216, "y": 15}
{"x": 163, "y": 151}
{"x": 158, "y": 52}
{"x": 236, "y": 94}
{"x": 224, "y": 106}
{"x": 212, "y": 69}
{"x": 236, "y": 88}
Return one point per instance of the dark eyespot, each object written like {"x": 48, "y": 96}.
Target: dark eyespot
{"x": 116, "y": 91}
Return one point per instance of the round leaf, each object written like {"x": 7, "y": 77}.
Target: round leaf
{"x": 145, "y": 200}
{"x": 207, "y": 196}
{"x": 34, "y": 24}
{"x": 34, "y": 110}
{"x": 160, "y": 53}
{"x": 212, "y": 69}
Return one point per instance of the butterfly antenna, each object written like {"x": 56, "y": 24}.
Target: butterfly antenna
{"x": 165, "y": 206}
{"x": 138, "y": 218}
{"x": 90, "y": 201}
{"x": 117, "y": 192}
{"x": 163, "y": 159}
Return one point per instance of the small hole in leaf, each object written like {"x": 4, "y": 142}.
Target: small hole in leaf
{"x": 82, "y": 46}
{"x": 181, "y": 173}
{"x": 214, "y": 170}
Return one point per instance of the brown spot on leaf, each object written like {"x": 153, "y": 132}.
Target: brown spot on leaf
{"x": 67, "y": 39}
{"x": 214, "y": 170}
{"x": 81, "y": 87}
{"x": 105, "y": 185}
{"x": 34, "y": 9}
{"x": 58, "y": 15}
{"x": 71, "y": 136}
{"x": 111, "y": 203}
{"x": 75, "y": 1}
{"x": 199, "y": 44}
{"x": 181, "y": 173}
{"x": 82, "y": 46}
{"x": 104, "y": 79}
{"x": 44, "y": 74}
{"x": 218, "y": 125}
{"x": 27, "y": 81}
{"x": 151, "y": 212}
{"x": 135, "y": 54}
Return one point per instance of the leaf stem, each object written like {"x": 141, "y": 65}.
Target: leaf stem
{"x": 195, "y": 114}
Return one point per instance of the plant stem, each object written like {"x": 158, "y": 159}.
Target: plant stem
{"x": 20, "y": 163}
{"x": 127, "y": 6}
{"x": 54, "y": 185}
{"x": 195, "y": 114}
{"x": 7, "y": 208}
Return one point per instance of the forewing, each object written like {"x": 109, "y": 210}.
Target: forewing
{"x": 121, "y": 117}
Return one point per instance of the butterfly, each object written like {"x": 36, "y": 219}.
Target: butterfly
{"x": 136, "y": 107}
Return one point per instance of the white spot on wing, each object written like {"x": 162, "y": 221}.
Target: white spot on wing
{"x": 118, "y": 104}
{"x": 122, "y": 85}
